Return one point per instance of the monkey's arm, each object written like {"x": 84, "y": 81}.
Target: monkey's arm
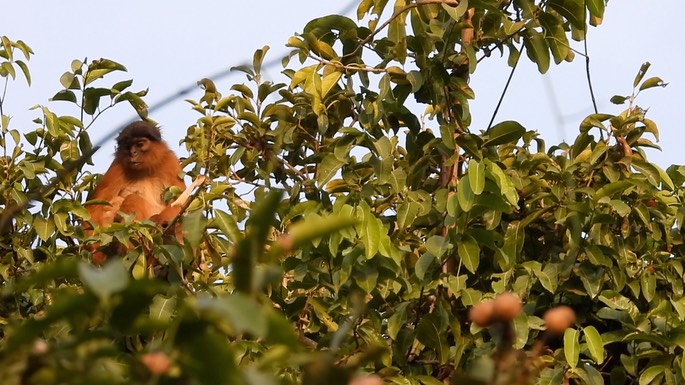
{"x": 108, "y": 189}
{"x": 170, "y": 178}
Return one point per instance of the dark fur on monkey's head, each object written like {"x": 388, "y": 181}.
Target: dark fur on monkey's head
{"x": 137, "y": 130}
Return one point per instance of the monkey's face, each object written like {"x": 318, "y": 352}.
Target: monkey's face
{"x": 135, "y": 153}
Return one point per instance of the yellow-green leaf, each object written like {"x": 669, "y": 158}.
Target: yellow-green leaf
{"x": 571, "y": 347}
{"x": 594, "y": 344}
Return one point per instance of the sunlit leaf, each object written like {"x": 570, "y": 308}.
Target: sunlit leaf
{"x": 505, "y": 132}
{"x": 476, "y": 176}
{"x": 571, "y": 347}
{"x": 651, "y": 373}
{"x": 469, "y": 252}
{"x": 594, "y": 343}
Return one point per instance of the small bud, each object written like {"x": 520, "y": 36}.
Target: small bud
{"x": 507, "y": 306}
{"x": 156, "y": 363}
{"x": 482, "y": 313}
{"x": 559, "y": 318}
{"x": 39, "y": 347}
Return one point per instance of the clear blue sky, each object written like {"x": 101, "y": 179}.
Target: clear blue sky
{"x": 169, "y": 45}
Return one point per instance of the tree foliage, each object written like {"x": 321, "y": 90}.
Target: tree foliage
{"x": 341, "y": 232}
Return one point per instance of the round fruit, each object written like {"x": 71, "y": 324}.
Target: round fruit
{"x": 507, "y": 306}
{"x": 156, "y": 362}
{"x": 482, "y": 313}
{"x": 559, "y": 318}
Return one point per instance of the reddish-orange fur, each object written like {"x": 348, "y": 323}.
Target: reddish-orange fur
{"x": 142, "y": 169}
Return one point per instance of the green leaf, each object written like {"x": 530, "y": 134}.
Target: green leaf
{"x": 652, "y": 82}
{"x": 258, "y": 228}
{"x": 620, "y": 207}
{"x": 596, "y": 256}
{"x": 471, "y": 144}
{"x": 383, "y": 147}
{"x": 367, "y": 279}
{"x": 329, "y": 81}
{"x": 430, "y": 333}
{"x": 469, "y": 252}
{"x": 242, "y": 312}
{"x": 465, "y": 195}
{"x": 504, "y": 132}
{"x": 513, "y": 241}
{"x": 316, "y": 226}
{"x": 227, "y": 224}
{"x": 649, "y": 170}
{"x": 594, "y": 120}
{"x": 328, "y": 167}
{"x": 194, "y": 227}
{"x": 122, "y": 85}
{"x": 549, "y": 277}
{"x": 398, "y": 180}
{"x": 594, "y": 344}
{"x": 648, "y": 285}
{"x": 397, "y": 34}
{"x": 456, "y": 12}
{"x": 45, "y": 228}
{"x": 437, "y": 245}
{"x": 572, "y": 10}
{"x": 104, "y": 282}
{"x": 652, "y": 373}
{"x": 397, "y": 321}
{"x": 618, "y": 99}
{"x": 587, "y": 374}
{"x": 596, "y": 8}
{"x": 69, "y": 81}
{"x": 371, "y": 235}
{"x": 506, "y": 186}
{"x": 611, "y": 189}
{"x": 521, "y": 330}
{"x": 641, "y": 73}
{"x": 571, "y": 347}
{"x": 162, "y": 308}
{"x": 415, "y": 78}
{"x": 476, "y": 175}
{"x": 615, "y": 300}
{"x": 423, "y": 265}
{"x": 592, "y": 278}
{"x": 537, "y": 49}
{"x": 555, "y": 36}
{"x": 527, "y": 6}
{"x": 470, "y": 297}
{"x": 406, "y": 214}
{"x": 666, "y": 181}
{"x": 25, "y": 69}
{"x": 552, "y": 376}
{"x": 205, "y": 357}
{"x": 679, "y": 306}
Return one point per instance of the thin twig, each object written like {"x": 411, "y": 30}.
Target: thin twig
{"x": 587, "y": 66}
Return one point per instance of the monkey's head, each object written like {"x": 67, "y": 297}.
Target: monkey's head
{"x": 138, "y": 147}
